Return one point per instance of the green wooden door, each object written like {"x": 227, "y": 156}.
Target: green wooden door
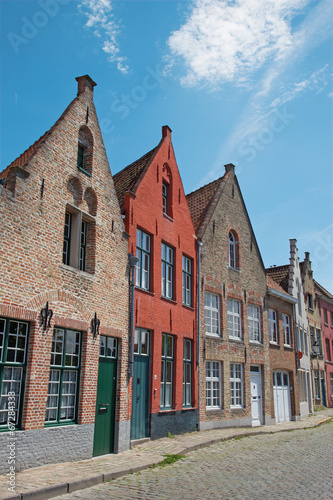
{"x": 140, "y": 402}
{"x": 106, "y": 397}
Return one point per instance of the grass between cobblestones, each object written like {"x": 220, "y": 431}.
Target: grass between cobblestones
{"x": 170, "y": 459}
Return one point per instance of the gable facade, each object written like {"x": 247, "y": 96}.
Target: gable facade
{"x": 64, "y": 291}
{"x": 234, "y": 347}
{"x": 162, "y": 237}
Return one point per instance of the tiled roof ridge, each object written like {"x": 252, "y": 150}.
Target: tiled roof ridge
{"x": 205, "y": 186}
{"x": 131, "y": 165}
{"x": 24, "y": 157}
{"x": 205, "y": 212}
{"x": 324, "y": 291}
{"x": 277, "y": 267}
{"x": 271, "y": 283}
{"x": 129, "y": 178}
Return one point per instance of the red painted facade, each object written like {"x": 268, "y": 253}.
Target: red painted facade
{"x": 326, "y": 310}
{"x": 143, "y": 209}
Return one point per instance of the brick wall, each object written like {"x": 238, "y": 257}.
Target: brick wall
{"x": 246, "y": 284}
{"x": 32, "y": 214}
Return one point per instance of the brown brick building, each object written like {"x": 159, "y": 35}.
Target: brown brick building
{"x": 63, "y": 258}
{"x": 234, "y": 367}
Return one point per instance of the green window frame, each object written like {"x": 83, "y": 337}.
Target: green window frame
{"x": 167, "y": 371}
{"x": 167, "y": 271}
{"x": 14, "y": 336}
{"x": 143, "y": 252}
{"x": 63, "y": 389}
{"x": 187, "y": 373}
{"x": 187, "y": 281}
{"x": 108, "y": 347}
{"x": 141, "y": 341}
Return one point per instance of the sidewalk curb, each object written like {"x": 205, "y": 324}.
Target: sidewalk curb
{"x": 64, "y": 488}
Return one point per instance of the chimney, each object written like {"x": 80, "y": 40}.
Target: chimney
{"x": 229, "y": 168}
{"x": 84, "y": 82}
{"x": 166, "y": 131}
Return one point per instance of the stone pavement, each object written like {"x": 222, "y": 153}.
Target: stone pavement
{"x": 52, "y": 480}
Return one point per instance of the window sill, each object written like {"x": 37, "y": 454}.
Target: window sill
{"x": 169, "y": 300}
{"x": 78, "y": 271}
{"x": 236, "y": 407}
{"x": 214, "y": 408}
{"x": 84, "y": 171}
{"x": 272, "y": 343}
{"x": 187, "y": 408}
{"x": 143, "y": 290}
{"x": 190, "y": 308}
{"x": 236, "y": 269}
{"x": 256, "y": 342}
{"x": 168, "y": 217}
{"x": 213, "y": 336}
{"x": 58, "y": 424}
{"x": 236, "y": 339}
{"x": 326, "y": 324}
{"x": 288, "y": 346}
{"x": 167, "y": 410}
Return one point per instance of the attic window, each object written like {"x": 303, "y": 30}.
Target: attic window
{"x": 85, "y": 151}
{"x": 165, "y": 197}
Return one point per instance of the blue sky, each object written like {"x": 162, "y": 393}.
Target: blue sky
{"x": 247, "y": 82}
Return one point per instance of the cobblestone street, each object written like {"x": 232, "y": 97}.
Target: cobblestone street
{"x": 290, "y": 465}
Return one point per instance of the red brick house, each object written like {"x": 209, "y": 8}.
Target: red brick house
{"x": 282, "y": 351}
{"x": 325, "y": 304}
{"x": 63, "y": 296}
{"x": 162, "y": 236}
{"x": 234, "y": 387}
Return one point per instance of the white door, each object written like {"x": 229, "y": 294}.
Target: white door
{"x": 256, "y": 399}
{"x": 281, "y": 391}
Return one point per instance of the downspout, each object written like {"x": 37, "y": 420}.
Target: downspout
{"x": 198, "y": 327}
{"x": 132, "y": 262}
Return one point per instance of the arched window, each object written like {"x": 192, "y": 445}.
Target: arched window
{"x": 232, "y": 250}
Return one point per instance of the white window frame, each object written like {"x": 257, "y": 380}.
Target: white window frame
{"x": 212, "y": 314}
{"x": 254, "y": 323}
{"x": 213, "y": 385}
{"x": 286, "y": 330}
{"x": 236, "y": 385}
{"x": 234, "y": 313}
{"x": 273, "y": 330}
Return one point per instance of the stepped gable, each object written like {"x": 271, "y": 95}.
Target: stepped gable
{"x": 203, "y": 201}
{"x": 279, "y": 274}
{"x": 128, "y": 179}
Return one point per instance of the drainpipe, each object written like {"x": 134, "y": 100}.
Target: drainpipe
{"x": 132, "y": 262}
{"x": 198, "y": 326}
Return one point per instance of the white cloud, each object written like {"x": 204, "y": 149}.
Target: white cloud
{"x": 102, "y": 20}
{"x": 223, "y": 41}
